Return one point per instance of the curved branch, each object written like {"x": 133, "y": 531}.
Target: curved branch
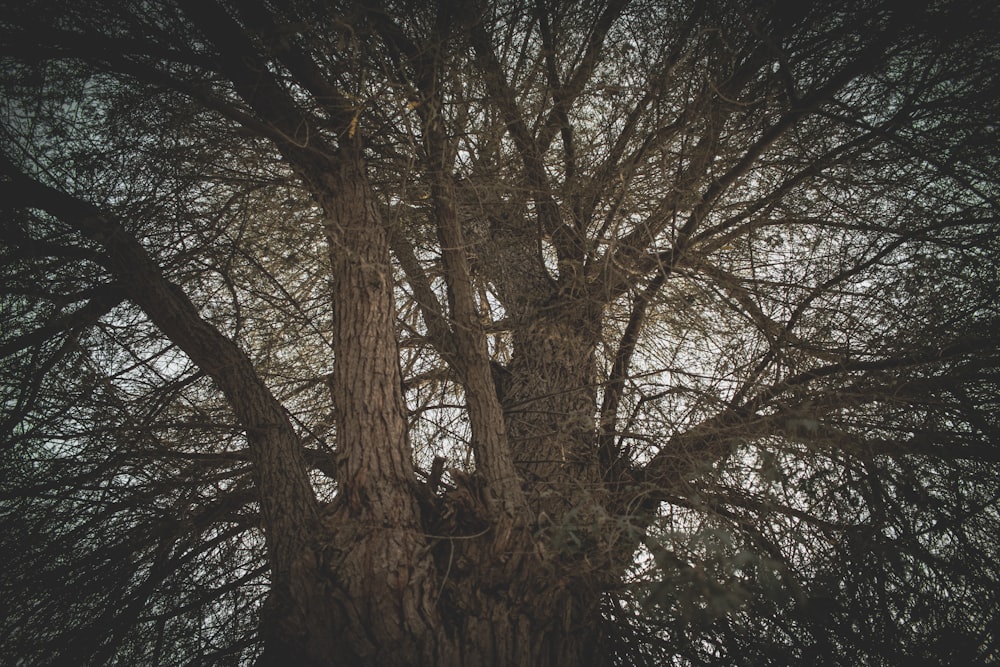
{"x": 289, "y": 507}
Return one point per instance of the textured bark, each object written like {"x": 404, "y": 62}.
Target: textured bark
{"x": 489, "y": 433}
{"x": 378, "y": 576}
{"x": 373, "y": 456}
{"x": 458, "y": 578}
{"x": 549, "y": 625}
{"x": 551, "y": 405}
{"x": 289, "y": 512}
{"x": 488, "y": 608}
{"x": 391, "y": 573}
{"x": 287, "y": 501}
{"x": 534, "y": 174}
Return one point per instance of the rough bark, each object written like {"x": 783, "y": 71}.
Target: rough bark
{"x": 379, "y": 574}
{"x": 551, "y": 405}
{"x": 391, "y": 574}
{"x": 489, "y": 434}
{"x": 372, "y": 454}
{"x": 450, "y": 579}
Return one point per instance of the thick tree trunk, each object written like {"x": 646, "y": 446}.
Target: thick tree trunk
{"x": 392, "y": 575}
{"x": 374, "y": 462}
{"x": 545, "y": 626}
{"x": 399, "y": 576}
{"x": 371, "y": 594}
{"x": 486, "y": 609}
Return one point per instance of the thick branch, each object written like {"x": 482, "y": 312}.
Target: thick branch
{"x": 374, "y": 460}
{"x": 299, "y": 63}
{"x": 489, "y": 433}
{"x": 288, "y": 504}
{"x": 241, "y": 64}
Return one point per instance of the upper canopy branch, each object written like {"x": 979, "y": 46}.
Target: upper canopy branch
{"x": 629, "y": 251}
{"x": 564, "y": 96}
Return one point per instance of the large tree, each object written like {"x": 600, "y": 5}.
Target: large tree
{"x": 534, "y": 333}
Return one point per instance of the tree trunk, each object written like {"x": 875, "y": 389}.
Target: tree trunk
{"x": 548, "y": 625}
{"x": 485, "y": 608}
{"x": 551, "y": 403}
{"x": 400, "y": 575}
{"x": 391, "y": 574}
{"x": 370, "y": 594}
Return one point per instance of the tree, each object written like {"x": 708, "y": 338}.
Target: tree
{"x": 510, "y": 333}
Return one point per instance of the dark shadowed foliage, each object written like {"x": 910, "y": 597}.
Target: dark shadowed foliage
{"x": 535, "y": 333}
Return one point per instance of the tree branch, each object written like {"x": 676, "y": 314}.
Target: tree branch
{"x": 289, "y": 507}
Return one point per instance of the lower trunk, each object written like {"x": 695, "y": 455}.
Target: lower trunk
{"x": 459, "y": 603}
{"x": 502, "y": 636}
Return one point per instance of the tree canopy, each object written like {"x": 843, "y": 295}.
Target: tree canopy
{"x": 621, "y": 332}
